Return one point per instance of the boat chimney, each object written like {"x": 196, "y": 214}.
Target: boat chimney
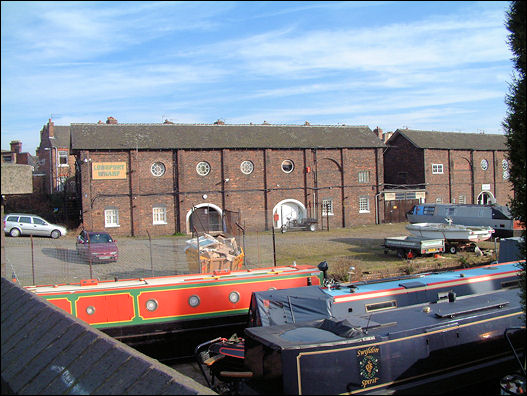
{"x": 451, "y": 296}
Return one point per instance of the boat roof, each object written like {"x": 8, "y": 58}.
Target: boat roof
{"x": 424, "y": 279}
{"x": 392, "y": 324}
{"x": 92, "y": 285}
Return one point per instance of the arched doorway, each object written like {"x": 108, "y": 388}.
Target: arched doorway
{"x": 287, "y": 210}
{"x": 486, "y": 198}
{"x": 204, "y": 218}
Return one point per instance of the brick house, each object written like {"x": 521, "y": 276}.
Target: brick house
{"x": 56, "y": 161}
{"x": 450, "y": 167}
{"x": 167, "y": 178}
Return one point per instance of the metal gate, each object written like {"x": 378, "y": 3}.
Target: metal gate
{"x": 395, "y": 211}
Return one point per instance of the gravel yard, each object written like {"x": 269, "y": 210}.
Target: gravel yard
{"x": 56, "y": 260}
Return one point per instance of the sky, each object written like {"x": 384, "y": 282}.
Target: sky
{"x": 442, "y": 66}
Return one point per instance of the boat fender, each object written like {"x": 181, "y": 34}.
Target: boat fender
{"x": 451, "y": 296}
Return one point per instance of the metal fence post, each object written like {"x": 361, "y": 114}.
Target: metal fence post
{"x": 151, "y": 262}
{"x": 32, "y": 260}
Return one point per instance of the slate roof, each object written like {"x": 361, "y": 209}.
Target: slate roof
{"x": 62, "y": 136}
{"x": 208, "y": 136}
{"x": 453, "y": 140}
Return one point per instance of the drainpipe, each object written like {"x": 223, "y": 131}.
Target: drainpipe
{"x": 377, "y": 217}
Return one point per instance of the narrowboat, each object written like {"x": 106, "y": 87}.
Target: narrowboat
{"x": 424, "y": 348}
{"x": 357, "y": 302}
{"x": 273, "y": 307}
{"x": 497, "y": 217}
{"x": 148, "y": 312}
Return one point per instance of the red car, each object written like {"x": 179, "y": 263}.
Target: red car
{"x": 97, "y": 246}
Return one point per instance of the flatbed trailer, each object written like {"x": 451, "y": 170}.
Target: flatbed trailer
{"x": 411, "y": 246}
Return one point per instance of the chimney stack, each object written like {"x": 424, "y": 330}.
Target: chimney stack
{"x": 378, "y": 132}
{"x": 16, "y": 146}
{"x": 111, "y": 120}
{"x": 51, "y": 128}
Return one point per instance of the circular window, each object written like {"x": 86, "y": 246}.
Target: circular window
{"x": 288, "y": 166}
{"x": 193, "y": 301}
{"x": 234, "y": 297}
{"x": 247, "y": 167}
{"x": 90, "y": 310}
{"x": 506, "y": 175}
{"x": 484, "y": 164}
{"x": 203, "y": 168}
{"x": 151, "y": 305}
{"x": 158, "y": 169}
{"x": 505, "y": 164}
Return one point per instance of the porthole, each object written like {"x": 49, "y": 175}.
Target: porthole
{"x": 158, "y": 169}
{"x": 484, "y": 164}
{"x": 193, "y": 301}
{"x": 203, "y": 168}
{"x": 234, "y": 297}
{"x": 247, "y": 167}
{"x": 505, "y": 164}
{"x": 288, "y": 166}
{"x": 151, "y": 305}
{"x": 90, "y": 310}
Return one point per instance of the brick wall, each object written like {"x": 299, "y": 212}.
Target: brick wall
{"x": 255, "y": 195}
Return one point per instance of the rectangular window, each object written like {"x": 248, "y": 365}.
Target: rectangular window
{"x": 7, "y": 158}
{"x": 159, "y": 214}
{"x": 63, "y": 158}
{"x": 61, "y": 183}
{"x": 364, "y": 205}
{"x": 381, "y": 306}
{"x": 364, "y": 176}
{"x": 437, "y": 169}
{"x": 327, "y": 207}
{"x": 462, "y": 199}
{"x": 111, "y": 218}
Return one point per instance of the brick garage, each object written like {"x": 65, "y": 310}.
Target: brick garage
{"x": 452, "y": 167}
{"x": 325, "y": 161}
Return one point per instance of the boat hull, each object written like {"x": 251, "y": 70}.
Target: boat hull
{"x": 141, "y": 311}
{"x": 451, "y": 232}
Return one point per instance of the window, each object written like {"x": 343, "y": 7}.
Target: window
{"x": 506, "y": 175}
{"x": 505, "y": 164}
{"x": 63, "y": 157}
{"x": 111, "y": 217}
{"x": 38, "y": 221}
{"x": 327, "y": 207}
{"x": 437, "y": 169}
{"x": 61, "y": 183}
{"x": 364, "y": 176}
{"x": 159, "y": 214}
{"x": 247, "y": 167}
{"x": 288, "y": 166}
{"x": 364, "y": 205}
{"x": 7, "y": 158}
{"x": 203, "y": 168}
{"x": 381, "y": 306}
{"x": 484, "y": 164}
{"x": 462, "y": 199}
{"x": 158, "y": 169}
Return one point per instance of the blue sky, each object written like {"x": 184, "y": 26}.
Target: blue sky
{"x": 441, "y": 66}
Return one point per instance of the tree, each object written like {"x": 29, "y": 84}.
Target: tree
{"x": 515, "y": 122}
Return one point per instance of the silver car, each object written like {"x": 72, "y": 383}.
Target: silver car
{"x": 16, "y": 224}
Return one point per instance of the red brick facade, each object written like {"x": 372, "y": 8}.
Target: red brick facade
{"x": 329, "y": 174}
{"x": 447, "y": 174}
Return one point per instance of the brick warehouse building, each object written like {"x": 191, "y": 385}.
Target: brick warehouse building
{"x": 166, "y": 178}
{"x": 451, "y": 167}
